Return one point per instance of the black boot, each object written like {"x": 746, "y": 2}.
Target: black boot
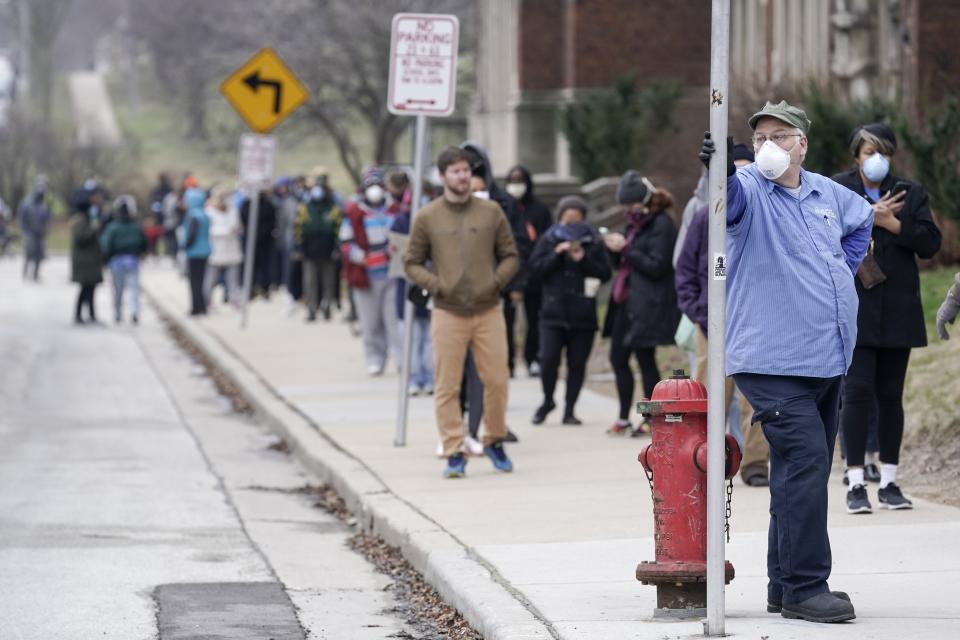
{"x": 823, "y": 607}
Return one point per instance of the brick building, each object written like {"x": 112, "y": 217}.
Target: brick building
{"x": 534, "y": 56}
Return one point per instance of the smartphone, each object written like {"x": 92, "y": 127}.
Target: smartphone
{"x": 900, "y": 187}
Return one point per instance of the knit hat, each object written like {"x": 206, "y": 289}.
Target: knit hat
{"x": 793, "y": 116}
{"x": 371, "y": 176}
{"x": 572, "y": 202}
{"x": 742, "y": 152}
{"x": 634, "y": 188}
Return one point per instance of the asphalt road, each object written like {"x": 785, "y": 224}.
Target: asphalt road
{"x": 134, "y": 503}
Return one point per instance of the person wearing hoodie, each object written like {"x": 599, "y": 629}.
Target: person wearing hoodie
{"x": 536, "y": 218}
{"x": 566, "y": 257}
{"x": 364, "y": 244}
{"x": 226, "y": 254}
{"x": 123, "y": 244}
{"x": 33, "y": 215}
{"x": 512, "y": 293}
{"x": 196, "y": 234}
{"x": 315, "y": 240}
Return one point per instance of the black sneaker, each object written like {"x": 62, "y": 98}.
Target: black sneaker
{"x": 572, "y": 420}
{"x": 776, "y": 606}
{"x": 511, "y": 437}
{"x": 824, "y": 607}
{"x": 871, "y": 473}
{"x": 543, "y": 411}
{"x": 857, "y": 501}
{"x": 890, "y": 497}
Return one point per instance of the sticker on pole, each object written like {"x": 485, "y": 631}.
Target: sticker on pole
{"x": 719, "y": 266}
{"x": 423, "y": 64}
{"x": 257, "y": 160}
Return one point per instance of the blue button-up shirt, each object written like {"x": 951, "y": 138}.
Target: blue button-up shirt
{"x": 791, "y": 299}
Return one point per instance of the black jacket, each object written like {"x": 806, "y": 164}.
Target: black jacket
{"x": 651, "y": 306}
{"x": 565, "y": 304}
{"x": 511, "y": 210}
{"x": 534, "y": 215}
{"x": 891, "y": 314}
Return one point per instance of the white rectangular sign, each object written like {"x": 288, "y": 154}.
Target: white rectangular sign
{"x": 258, "y": 156}
{"x": 423, "y": 64}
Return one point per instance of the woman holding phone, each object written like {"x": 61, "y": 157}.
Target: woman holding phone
{"x": 890, "y": 321}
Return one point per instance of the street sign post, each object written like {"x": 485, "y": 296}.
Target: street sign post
{"x": 716, "y": 310}
{"x": 264, "y": 91}
{"x": 255, "y": 171}
{"x": 423, "y": 82}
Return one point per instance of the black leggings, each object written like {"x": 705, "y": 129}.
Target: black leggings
{"x": 875, "y": 380}
{"x": 578, "y": 344}
{"x": 85, "y": 298}
{"x": 197, "y": 268}
{"x": 620, "y": 361}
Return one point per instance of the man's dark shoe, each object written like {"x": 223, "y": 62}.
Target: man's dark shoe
{"x": 573, "y": 420}
{"x": 857, "y": 501}
{"x": 823, "y": 607}
{"x": 543, "y": 411}
{"x": 511, "y": 437}
{"x": 890, "y": 497}
{"x": 777, "y": 606}
{"x": 871, "y": 473}
{"x": 498, "y": 457}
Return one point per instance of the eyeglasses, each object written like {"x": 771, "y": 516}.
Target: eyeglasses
{"x": 777, "y": 138}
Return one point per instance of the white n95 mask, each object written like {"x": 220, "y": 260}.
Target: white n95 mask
{"x": 772, "y": 161}
{"x": 374, "y": 194}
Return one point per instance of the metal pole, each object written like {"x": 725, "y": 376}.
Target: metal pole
{"x": 250, "y": 253}
{"x": 716, "y": 308}
{"x": 400, "y": 438}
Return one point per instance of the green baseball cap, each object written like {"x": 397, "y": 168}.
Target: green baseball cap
{"x": 793, "y": 116}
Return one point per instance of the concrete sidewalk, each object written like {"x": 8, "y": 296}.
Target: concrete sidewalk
{"x": 550, "y": 550}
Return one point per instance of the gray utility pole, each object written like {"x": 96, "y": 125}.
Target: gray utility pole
{"x": 400, "y": 439}
{"x": 23, "y": 84}
{"x": 716, "y": 309}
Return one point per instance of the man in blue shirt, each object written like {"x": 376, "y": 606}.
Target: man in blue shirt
{"x": 794, "y": 241}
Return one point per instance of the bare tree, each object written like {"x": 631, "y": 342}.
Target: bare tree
{"x": 342, "y": 52}
{"x": 45, "y": 19}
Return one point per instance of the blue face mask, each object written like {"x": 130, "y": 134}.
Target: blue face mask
{"x": 876, "y": 167}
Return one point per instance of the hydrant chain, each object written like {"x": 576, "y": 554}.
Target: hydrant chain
{"x": 726, "y": 518}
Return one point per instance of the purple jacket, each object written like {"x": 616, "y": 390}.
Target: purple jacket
{"x": 692, "y": 270}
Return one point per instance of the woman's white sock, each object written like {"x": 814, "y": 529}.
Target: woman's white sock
{"x": 888, "y": 474}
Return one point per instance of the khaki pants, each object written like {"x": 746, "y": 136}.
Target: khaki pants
{"x": 486, "y": 334}
{"x": 756, "y": 452}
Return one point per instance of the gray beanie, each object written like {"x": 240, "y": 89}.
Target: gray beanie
{"x": 572, "y": 202}
{"x": 634, "y": 188}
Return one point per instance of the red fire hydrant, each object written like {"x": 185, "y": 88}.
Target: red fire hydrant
{"x": 675, "y": 462}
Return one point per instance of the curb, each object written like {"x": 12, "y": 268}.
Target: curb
{"x": 461, "y": 578}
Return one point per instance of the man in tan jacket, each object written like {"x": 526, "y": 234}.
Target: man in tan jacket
{"x": 470, "y": 247}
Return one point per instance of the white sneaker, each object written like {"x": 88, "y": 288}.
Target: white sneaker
{"x": 374, "y": 370}
{"x": 471, "y": 447}
{"x": 413, "y": 391}
{"x": 440, "y": 450}
{"x": 427, "y": 390}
